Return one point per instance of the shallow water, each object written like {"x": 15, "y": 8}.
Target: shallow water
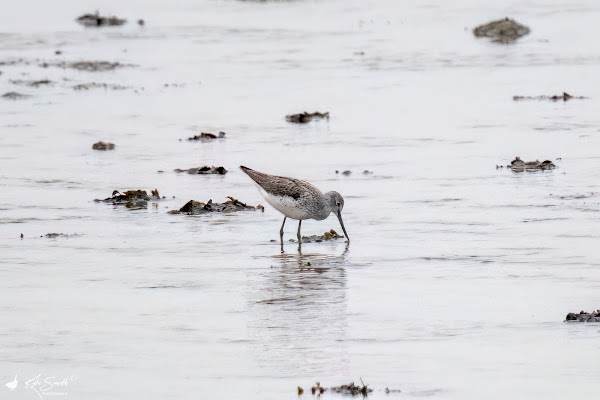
{"x": 458, "y": 277}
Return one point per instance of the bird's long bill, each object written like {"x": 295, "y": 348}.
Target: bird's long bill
{"x": 342, "y": 224}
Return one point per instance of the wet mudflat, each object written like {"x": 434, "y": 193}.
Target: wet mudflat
{"x": 459, "y": 275}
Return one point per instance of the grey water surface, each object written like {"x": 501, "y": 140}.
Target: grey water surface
{"x": 458, "y": 277}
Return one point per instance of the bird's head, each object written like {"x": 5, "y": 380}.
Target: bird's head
{"x": 336, "y": 205}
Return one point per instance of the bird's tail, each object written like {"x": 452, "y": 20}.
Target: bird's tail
{"x": 250, "y": 172}
{"x": 256, "y": 176}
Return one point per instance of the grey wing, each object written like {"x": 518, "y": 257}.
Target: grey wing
{"x": 281, "y": 185}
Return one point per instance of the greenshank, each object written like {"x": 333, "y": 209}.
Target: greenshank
{"x": 297, "y": 199}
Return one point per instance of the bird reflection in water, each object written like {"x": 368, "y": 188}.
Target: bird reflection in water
{"x": 300, "y": 315}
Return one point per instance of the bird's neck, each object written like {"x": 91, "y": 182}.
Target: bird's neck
{"x": 329, "y": 203}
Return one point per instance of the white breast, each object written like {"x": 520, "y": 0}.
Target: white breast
{"x": 286, "y": 205}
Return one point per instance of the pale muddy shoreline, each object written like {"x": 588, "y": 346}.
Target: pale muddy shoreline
{"x": 459, "y": 275}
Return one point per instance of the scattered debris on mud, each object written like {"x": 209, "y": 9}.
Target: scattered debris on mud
{"x": 97, "y": 85}
{"x": 583, "y": 316}
{"x": 205, "y": 170}
{"x": 352, "y": 389}
{"x": 305, "y": 117}
{"x": 131, "y": 199}
{"x": 331, "y": 235}
{"x": 317, "y": 389}
{"x": 194, "y": 207}
{"x": 14, "y": 61}
{"x": 31, "y": 83}
{"x": 91, "y": 66}
{"x": 174, "y": 85}
{"x": 519, "y": 165}
{"x": 96, "y": 19}
{"x": 349, "y": 389}
{"x": 576, "y": 196}
{"x": 95, "y": 65}
{"x": 564, "y": 97}
{"x": 14, "y": 96}
{"x": 103, "y": 146}
{"x": 54, "y": 235}
{"x": 348, "y": 172}
{"x": 502, "y": 31}
{"x": 207, "y": 136}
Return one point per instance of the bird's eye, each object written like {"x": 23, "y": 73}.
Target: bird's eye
{"x": 338, "y": 203}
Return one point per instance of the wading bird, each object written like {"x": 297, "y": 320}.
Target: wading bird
{"x": 297, "y": 199}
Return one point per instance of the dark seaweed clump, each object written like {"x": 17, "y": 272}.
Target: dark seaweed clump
{"x": 564, "y": 97}
{"x": 207, "y": 136}
{"x": 502, "y": 31}
{"x": 103, "y": 146}
{"x": 14, "y": 96}
{"x": 305, "y": 117}
{"x": 518, "y": 165}
{"x": 194, "y": 207}
{"x": 96, "y": 19}
{"x": 352, "y": 389}
{"x": 331, "y": 235}
{"x": 134, "y": 199}
{"x": 583, "y": 316}
{"x": 35, "y": 84}
{"x": 205, "y": 170}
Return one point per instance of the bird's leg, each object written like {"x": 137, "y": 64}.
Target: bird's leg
{"x": 281, "y": 230}
{"x": 299, "y": 237}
